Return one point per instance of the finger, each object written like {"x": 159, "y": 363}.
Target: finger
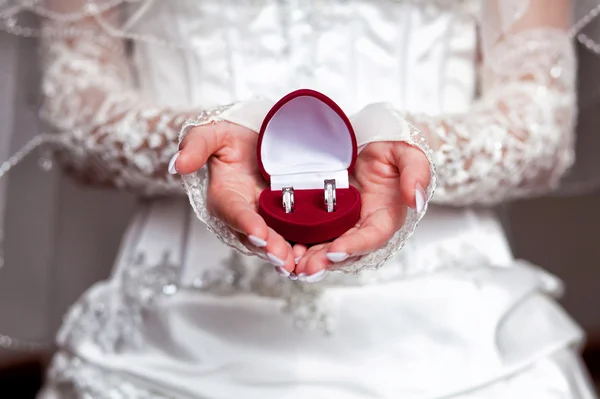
{"x": 322, "y": 258}
{"x": 199, "y": 144}
{"x": 372, "y": 235}
{"x": 413, "y": 191}
{"x": 249, "y": 246}
{"x": 253, "y": 245}
{"x": 235, "y": 211}
{"x": 301, "y": 266}
{"x": 415, "y": 174}
{"x": 307, "y": 269}
{"x": 299, "y": 250}
{"x": 279, "y": 253}
{"x": 316, "y": 265}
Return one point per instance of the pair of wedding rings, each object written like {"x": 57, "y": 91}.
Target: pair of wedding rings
{"x": 329, "y": 193}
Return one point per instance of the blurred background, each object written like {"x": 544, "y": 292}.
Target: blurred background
{"x": 61, "y": 238}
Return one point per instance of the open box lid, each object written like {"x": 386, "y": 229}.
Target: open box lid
{"x": 305, "y": 139}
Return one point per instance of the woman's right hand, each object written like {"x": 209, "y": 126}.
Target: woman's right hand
{"x": 235, "y": 184}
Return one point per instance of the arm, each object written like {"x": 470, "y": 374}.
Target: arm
{"x": 115, "y": 136}
{"x": 517, "y": 140}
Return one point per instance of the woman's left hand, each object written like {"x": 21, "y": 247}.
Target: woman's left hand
{"x": 391, "y": 176}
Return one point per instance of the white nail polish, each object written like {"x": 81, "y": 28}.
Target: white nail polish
{"x": 419, "y": 198}
{"x": 257, "y": 241}
{"x": 172, "y": 168}
{"x": 297, "y": 260}
{"x": 315, "y": 278}
{"x": 281, "y": 271}
{"x": 336, "y": 257}
{"x": 302, "y": 277}
{"x": 293, "y": 277}
{"x": 275, "y": 261}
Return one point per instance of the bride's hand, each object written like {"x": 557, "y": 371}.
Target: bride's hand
{"x": 229, "y": 150}
{"x": 390, "y": 176}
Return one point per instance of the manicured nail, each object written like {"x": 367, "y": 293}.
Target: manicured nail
{"x": 336, "y": 257}
{"x": 297, "y": 260}
{"x": 419, "y": 198}
{"x": 281, "y": 271}
{"x": 172, "y": 168}
{"x": 293, "y": 277}
{"x": 275, "y": 261}
{"x": 315, "y": 278}
{"x": 257, "y": 241}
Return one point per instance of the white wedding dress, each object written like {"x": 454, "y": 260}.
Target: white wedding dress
{"x": 451, "y": 315}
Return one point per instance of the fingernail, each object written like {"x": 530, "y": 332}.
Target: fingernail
{"x": 281, "y": 271}
{"x": 172, "y": 168}
{"x": 302, "y": 276}
{"x": 336, "y": 257}
{"x": 293, "y": 277}
{"x": 297, "y": 260}
{"x": 315, "y": 278}
{"x": 275, "y": 261}
{"x": 419, "y": 198}
{"x": 257, "y": 241}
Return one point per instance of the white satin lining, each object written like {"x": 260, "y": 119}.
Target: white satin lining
{"x": 305, "y": 142}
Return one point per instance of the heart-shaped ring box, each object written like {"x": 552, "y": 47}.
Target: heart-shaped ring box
{"x": 304, "y": 140}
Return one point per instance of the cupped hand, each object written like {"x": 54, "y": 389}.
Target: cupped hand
{"x": 391, "y": 176}
{"x": 235, "y": 184}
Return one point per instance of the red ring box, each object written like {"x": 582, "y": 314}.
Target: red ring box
{"x": 305, "y": 139}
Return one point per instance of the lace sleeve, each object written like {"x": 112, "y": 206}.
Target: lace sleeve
{"x": 114, "y": 136}
{"x": 517, "y": 140}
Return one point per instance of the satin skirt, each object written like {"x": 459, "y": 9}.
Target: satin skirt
{"x": 489, "y": 331}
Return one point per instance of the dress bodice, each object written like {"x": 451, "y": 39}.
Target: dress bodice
{"x": 420, "y": 58}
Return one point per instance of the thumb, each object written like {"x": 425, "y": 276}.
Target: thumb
{"x": 414, "y": 174}
{"x": 197, "y": 147}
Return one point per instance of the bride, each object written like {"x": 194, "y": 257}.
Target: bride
{"x": 144, "y": 92}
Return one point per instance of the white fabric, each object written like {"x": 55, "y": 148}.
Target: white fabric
{"x": 566, "y": 369}
{"x": 379, "y": 122}
{"x": 452, "y": 316}
{"x": 477, "y": 330}
{"x": 249, "y": 113}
